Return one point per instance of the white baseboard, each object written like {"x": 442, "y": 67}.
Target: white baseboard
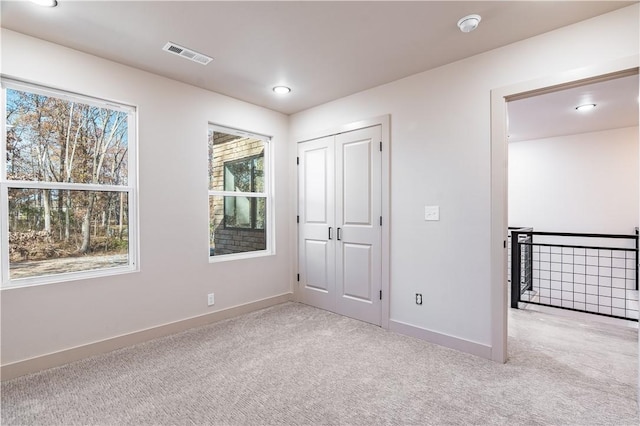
{"x": 462, "y": 345}
{"x": 55, "y": 359}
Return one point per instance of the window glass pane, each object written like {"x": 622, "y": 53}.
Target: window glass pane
{"x": 258, "y": 174}
{"x": 59, "y": 231}
{"x": 56, "y": 140}
{"x": 238, "y": 175}
{"x": 236, "y": 163}
{"x": 261, "y": 209}
{"x": 237, "y": 212}
{"x": 226, "y": 238}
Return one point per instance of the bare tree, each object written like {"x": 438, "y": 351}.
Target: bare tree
{"x": 51, "y": 139}
{"x": 106, "y": 128}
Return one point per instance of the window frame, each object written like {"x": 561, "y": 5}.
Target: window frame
{"x": 268, "y": 195}
{"x": 131, "y": 188}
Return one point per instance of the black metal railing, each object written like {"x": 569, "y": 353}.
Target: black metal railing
{"x": 522, "y": 279}
{"x": 595, "y": 273}
{"x": 511, "y": 228}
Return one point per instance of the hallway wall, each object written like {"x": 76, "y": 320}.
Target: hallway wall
{"x": 578, "y": 183}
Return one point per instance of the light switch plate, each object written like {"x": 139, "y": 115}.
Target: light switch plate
{"x": 431, "y": 212}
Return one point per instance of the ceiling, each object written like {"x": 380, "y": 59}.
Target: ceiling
{"x": 555, "y": 114}
{"x": 323, "y": 50}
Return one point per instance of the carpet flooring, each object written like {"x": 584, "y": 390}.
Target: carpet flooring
{"x": 296, "y": 365}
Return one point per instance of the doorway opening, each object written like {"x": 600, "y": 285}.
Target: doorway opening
{"x": 573, "y": 199}
{"x": 572, "y": 341}
{"x": 499, "y": 174}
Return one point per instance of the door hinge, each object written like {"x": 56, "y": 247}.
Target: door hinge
{"x": 380, "y": 146}
{"x": 297, "y": 219}
{"x": 504, "y": 243}
{"x": 297, "y": 160}
{"x": 298, "y": 278}
{"x": 380, "y": 220}
{"x": 380, "y": 294}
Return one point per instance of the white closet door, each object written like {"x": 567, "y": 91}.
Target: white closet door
{"x": 316, "y": 229}
{"x": 359, "y": 232}
{"x": 339, "y": 232}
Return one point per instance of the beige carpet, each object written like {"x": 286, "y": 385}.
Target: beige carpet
{"x": 293, "y": 364}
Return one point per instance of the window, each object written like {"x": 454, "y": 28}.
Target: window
{"x": 239, "y": 199}
{"x": 66, "y": 186}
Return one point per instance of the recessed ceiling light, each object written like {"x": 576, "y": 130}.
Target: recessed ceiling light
{"x": 469, "y": 23}
{"x": 585, "y": 107}
{"x": 281, "y": 90}
{"x": 45, "y": 3}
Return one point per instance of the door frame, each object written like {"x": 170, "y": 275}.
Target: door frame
{"x": 384, "y": 121}
{"x": 499, "y": 173}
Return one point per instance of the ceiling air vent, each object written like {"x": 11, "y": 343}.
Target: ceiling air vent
{"x": 187, "y": 53}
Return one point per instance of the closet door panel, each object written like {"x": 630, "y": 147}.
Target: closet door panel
{"x": 358, "y": 209}
{"x": 356, "y": 183}
{"x": 356, "y": 273}
{"x": 316, "y": 210}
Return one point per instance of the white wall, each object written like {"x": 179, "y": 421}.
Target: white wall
{"x": 440, "y": 122}
{"x": 175, "y": 273}
{"x": 441, "y": 155}
{"x": 578, "y": 183}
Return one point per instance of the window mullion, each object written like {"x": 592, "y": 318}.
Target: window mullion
{"x": 237, "y": 194}
{"x": 25, "y": 184}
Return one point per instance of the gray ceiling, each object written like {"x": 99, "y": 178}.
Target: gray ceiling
{"x": 322, "y": 50}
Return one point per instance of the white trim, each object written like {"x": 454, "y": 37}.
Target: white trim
{"x": 499, "y": 221}
{"x": 3, "y": 145}
{"x": 4, "y": 243}
{"x": 24, "y": 86}
{"x": 65, "y": 356}
{"x": 29, "y": 184}
{"x": 384, "y": 121}
{"x": 68, "y": 276}
{"x": 238, "y": 194}
{"x": 240, "y": 256}
{"x": 238, "y": 132}
{"x": 446, "y": 340}
{"x": 132, "y": 200}
{"x": 4, "y": 194}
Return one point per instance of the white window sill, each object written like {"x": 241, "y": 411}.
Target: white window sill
{"x": 65, "y": 277}
{"x": 240, "y": 256}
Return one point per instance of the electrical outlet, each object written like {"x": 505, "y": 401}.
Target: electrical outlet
{"x": 210, "y": 299}
{"x": 431, "y": 212}
{"x": 418, "y": 298}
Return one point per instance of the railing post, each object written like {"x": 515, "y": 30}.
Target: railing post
{"x": 636, "y": 262}
{"x": 529, "y": 259}
{"x": 515, "y": 269}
